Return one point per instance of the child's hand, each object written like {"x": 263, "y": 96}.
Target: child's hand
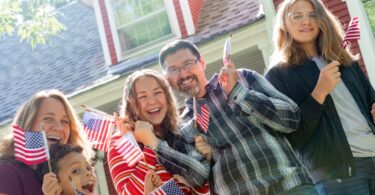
{"x": 51, "y": 185}
{"x": 152, "y": 181}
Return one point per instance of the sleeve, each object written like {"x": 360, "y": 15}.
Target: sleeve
{"x": 264, "y": 104}
{"x": 310, "y": 110}
{"x": 184, "y": 161}
{"x": 121, "y": 173}
{"x": 10, "y": 182}
{"x": 369, "y": 89}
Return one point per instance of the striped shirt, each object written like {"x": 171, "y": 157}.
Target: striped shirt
{"x": 246, "y": 129}
{"x": 130, "y": 180}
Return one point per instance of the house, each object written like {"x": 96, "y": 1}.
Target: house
{"x": 107, "y": 40}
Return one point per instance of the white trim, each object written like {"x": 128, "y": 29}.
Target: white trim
{"x": 172, "y": 16}
{"x": 188, "y": 18}
{"x": 103, "y": 38}
{"x": 112, "y": 26}
{"x": 269, "y": 10}
{"x": 100, "y": 173}
{"x": 367, "y": 42}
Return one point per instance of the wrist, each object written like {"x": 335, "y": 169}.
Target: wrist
{"x": 319, "y": 96}
{"x": 154, "y": 144}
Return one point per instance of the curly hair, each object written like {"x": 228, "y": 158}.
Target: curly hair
{"x": 57, "y": 152}
{"x": 130, "y": 104}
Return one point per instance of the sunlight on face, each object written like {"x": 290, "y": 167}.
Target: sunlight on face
{"x": 55, "y": 119}
{"x": 76, "y": 172}
{"x": 151, "y": 99}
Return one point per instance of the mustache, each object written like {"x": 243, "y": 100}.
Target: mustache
{"x": 181, "y": 80}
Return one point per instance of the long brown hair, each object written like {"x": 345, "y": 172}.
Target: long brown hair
{"x": 130, "y": 104}
{"x": 329, "y": 42}
{"x": 26, "y": 115}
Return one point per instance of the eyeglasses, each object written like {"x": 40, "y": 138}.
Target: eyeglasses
{"x": 297, "y": 17}
{"x": 174, "y": 70}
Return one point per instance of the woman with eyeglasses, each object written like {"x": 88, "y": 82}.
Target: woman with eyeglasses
{"x": 336, "y": 140}
{"x": 61, "y": 125}
{"x": 149, "y": 112}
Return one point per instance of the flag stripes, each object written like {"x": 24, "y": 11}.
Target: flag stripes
{"x": 352, "y": 33}
{"x": 29, "y": 146}
{"x": 98, "y": 129}
{"x": 203, "y": 118}
{"x": 128, "y": 147}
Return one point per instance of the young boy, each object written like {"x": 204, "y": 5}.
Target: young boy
{"x": 72, "y": 172}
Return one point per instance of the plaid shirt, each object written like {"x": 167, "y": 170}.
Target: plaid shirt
{"x": 246, "y": 129}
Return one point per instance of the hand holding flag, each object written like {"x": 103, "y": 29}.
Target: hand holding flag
{"x": 228, "y": 73}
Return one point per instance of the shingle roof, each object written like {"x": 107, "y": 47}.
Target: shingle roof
{"x": 72, "y": 61}
{"x": 222, "y": 16}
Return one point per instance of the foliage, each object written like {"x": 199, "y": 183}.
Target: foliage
{"x": 33, "y": 20}
{"x": 370, "y": 10}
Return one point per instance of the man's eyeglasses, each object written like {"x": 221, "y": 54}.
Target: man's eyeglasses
{"x": 297, "y": 17}
{"x": 174, "y": 70}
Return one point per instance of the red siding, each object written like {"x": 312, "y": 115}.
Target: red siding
{"x": 108, "y": 32}
{"x": 195, "y": 9}
{"x": 340, "y": 10}
{"x": 180, "y": 18}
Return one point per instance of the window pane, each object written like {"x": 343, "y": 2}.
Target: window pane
{"x": 140, "y": 22}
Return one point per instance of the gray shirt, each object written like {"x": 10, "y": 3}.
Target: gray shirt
{"x": 357, "y": 130}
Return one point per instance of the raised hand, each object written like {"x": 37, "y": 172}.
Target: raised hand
{"x": 228, "y": 77}
{"x": 144, "y": 134}
{"x": 123, "y": 123}
{"x": 203, "y": 147}
{"x": 51, "y": 185}
{"x": 329, "y": 77}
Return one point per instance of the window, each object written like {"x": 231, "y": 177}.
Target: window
{"x": 140, "y": 22}
{"x": 370, "y": 10}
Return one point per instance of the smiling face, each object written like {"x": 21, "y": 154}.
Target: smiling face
{"x": 151, "y": 99}
{"x": 55, "y": 119}
{"x": 76, "y": 172}
{"x": 302, "y": 25}
{"x": 186, "y": 79}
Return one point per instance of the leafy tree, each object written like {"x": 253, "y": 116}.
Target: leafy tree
{"x": 370, "y": 10}
{"x": 33, "y": 20}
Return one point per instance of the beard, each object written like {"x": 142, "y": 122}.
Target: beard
{"x": 188, "y": 90}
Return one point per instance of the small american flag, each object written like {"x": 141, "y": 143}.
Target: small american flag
{"x": 203, "y": 119}
{"x": 98, "y": 129}
{"x": 129, "y": 148}
{"x": 169, "y": 188}
{"x": 227, "y": 50}
{"x": 29, "y": 146}
{"x": 352, "y": 33}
